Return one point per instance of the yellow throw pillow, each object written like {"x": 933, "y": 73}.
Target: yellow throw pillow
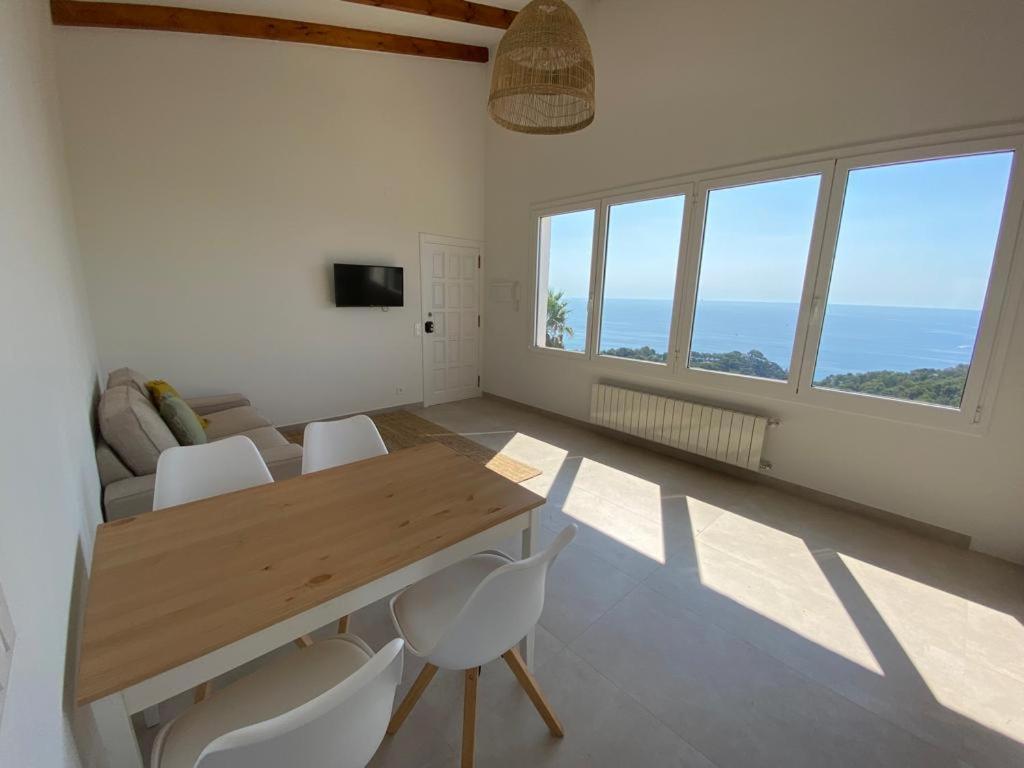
{"x": 159, "y": 389}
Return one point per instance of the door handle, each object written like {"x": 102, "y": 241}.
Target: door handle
{"x": 428, "y": 327}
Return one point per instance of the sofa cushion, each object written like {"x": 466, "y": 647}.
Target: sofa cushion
{"x": 233, "y": 421}
{"x": 123, "y": 376}
{"x": 127, "y": 498}
{"x": 204, "y": 406}
{"x": 186, "y": 426}
{"x": 110, "y": 467}
{"x": 265, "y": 437}
{"x": 133, "y": 428}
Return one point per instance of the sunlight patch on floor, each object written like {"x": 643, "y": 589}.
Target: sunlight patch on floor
{"x": 620, "y": 487}
{"x": 793, "y": 593}
{"x": 765, "y": 568}
{"x": 927, "y": 623}
{"x": 526, "y": 448}
{"x": 640, "y": 533}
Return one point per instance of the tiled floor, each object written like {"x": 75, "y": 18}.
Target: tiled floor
{"x": 699, "y": 620}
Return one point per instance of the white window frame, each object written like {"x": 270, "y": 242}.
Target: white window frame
{"x": 971, "y": 405}
{"x": 737, "y": 381}
{"x": 1005, "y": 289}
{"x": 609, "y": 362}
{"x": 539, "y": 324}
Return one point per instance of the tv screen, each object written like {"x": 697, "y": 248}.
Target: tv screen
{"x": 362, "y": 285}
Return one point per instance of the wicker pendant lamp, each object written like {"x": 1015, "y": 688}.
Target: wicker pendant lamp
{"x": 543, "y": 77}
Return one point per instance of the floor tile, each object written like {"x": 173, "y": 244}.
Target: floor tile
{"x": 635, "y": 544}
{"x": 993, "y": 725}
{"x": 813, "y": 615}
{"x": 580, "y": 588}
{"x": 996, "y": 639}
{"x": 733, "y": 702}
{"x": 604, "y": 726}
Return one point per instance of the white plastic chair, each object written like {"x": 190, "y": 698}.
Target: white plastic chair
{"x": 326, "y": 707}
{"x": 327, "y": 444}
{"x": 469, "y": 614}
{"x": 193, "y": 472}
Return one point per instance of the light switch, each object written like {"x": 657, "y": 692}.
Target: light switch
{"x": 6, "y": 648}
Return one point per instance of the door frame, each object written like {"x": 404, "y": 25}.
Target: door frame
{"x": 463, "y": 242}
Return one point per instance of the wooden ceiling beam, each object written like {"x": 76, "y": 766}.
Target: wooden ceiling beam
{"x": 79, "y": 13}
{"x": 453, "y": 10}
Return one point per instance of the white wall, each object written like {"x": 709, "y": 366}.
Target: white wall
{"x": 216, "y": 179}
{"x": 687, "y": 85}
{"x": 49, "y": 492}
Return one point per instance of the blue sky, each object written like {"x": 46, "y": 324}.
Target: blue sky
{"x": 913, "y": 235}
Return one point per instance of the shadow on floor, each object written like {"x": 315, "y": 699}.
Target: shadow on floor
{"x": 813, "y": 539}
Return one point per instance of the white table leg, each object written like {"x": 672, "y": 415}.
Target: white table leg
{"x": 114, "y": 725}
{"x": 530, "y": 546}
{"x": 151, "y": 715}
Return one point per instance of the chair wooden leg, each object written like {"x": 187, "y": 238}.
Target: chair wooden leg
{"x": 343, "y": 625}
{"x": 418, "y": 687}
{"x": 304, "y": 642}
{"x": 529, "y": 684}
{"x": 202, "y": 692}
{"x": 469, "y": 718}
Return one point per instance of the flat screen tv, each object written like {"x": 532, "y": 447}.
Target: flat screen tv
{"x": 363, "y": 285}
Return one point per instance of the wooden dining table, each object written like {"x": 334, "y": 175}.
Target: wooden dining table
{"x": 179, "y": 596}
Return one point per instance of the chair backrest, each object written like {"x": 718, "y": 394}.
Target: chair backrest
{"x": 193, "y": 472}
{"x": 502, "y": 609}
{"x": 340, "y": 728}
{"x": 327, "y": 444}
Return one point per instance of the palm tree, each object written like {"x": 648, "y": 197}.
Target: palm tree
{"x": 558, "y": 319}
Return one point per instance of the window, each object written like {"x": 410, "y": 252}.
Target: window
{"x": 912, "y": 263}
{"x": 641, "y": 256}
{"x": 753, "y": 262}
{"x": 566, "y": 245}
{"x": 865, "y": 283}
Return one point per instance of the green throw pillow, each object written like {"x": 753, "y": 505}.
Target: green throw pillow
{"x": 181, "y": 420}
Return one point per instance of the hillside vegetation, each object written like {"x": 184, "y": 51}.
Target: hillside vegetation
{"x": 939, "y": 386}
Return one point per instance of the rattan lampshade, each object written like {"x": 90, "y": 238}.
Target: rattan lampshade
{"x": 543, "y": 78}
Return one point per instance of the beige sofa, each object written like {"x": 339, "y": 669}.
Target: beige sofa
{"x": 133, "y": 435}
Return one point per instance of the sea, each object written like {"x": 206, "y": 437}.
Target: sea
{"x": 855, "y": 338}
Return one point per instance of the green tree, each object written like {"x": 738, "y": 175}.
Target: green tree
{"x": 558, "y": 320}
{"x": 637, "y": 353}
{"x": 752, "y": 363}
{"x": 940, "y": 386}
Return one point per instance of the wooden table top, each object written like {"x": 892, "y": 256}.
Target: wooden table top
{"x": 169, "y": 586}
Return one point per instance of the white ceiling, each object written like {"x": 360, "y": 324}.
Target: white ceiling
{"x": 353, "y": 15}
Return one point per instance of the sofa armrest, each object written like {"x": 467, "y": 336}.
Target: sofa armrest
{"x": 214, "y": 403}
{"x": 130, "y": 497}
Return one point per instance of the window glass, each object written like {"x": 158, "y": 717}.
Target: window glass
{"x": 566, "y": 248}
{"x": 640, "y": 278}
{"x": 754, "y": 257}
{"x": 912, "y": 264}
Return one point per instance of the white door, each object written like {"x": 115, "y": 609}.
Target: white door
{"x": 450, "y": 281}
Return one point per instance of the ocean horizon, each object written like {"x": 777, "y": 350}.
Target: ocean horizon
{"x": 856, "y": 338}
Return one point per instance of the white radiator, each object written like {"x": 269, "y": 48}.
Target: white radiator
{"x": 729, "y": 436}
